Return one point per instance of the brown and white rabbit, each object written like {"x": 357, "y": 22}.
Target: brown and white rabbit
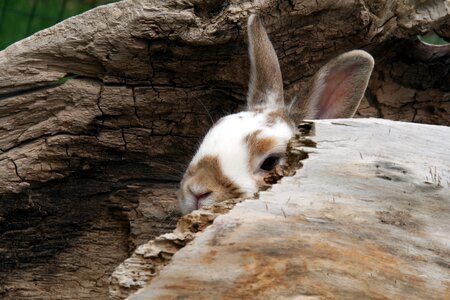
{"x": 242, "y": 149}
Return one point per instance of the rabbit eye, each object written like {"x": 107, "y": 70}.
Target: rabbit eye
{"x": 270, "y": 163}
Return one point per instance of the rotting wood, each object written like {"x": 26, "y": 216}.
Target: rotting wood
{"x": 145, "y": 79}
{"x": 150, "y": 258}
{"x": 366, "y": 217}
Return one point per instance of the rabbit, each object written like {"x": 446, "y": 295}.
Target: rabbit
{"x": 242, "y": 149}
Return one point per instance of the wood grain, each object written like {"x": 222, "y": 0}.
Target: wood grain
{"x": 100, "y": 114}
{"x": 367, "y": 216}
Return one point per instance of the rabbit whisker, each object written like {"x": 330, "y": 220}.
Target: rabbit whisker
{"x": 206, "y": 110}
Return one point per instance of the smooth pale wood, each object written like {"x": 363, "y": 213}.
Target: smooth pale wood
{"x": 367, "y": 217}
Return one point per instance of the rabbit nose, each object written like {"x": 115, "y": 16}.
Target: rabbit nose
{"x": 199, "y": 199}
{"x": 202, "y": 196}
{"x": 199, "y": 195}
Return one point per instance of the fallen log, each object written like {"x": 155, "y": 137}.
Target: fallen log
{"x": 366, "y": 217}
{"x": 99, "y": 115}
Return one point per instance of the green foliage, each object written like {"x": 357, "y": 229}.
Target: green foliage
{"x": 21, "y": 18}
{"x": 432, "y": 39}
{"x": 65, "y": 79}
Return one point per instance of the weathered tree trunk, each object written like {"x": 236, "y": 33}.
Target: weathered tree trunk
{"x": 100, "y": 114}
{"x": 366, "y": 217}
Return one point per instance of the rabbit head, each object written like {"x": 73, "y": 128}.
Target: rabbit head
{"x": 241, "y": 150}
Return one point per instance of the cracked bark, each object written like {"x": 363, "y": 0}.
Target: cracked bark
{"x": 100, "y": 155}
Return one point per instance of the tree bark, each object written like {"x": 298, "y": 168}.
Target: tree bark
{"x": 100, "y": 114}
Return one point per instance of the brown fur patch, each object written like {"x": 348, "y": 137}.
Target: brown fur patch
{"x": 208, "y": 172}
{"x": 258, "y": 147}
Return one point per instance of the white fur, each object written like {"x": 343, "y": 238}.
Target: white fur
{"x": 227, "y": 141}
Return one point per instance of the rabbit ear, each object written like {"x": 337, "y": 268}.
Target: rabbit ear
{"x": 266, "y": 85}
{"x": 338, "y": 87}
